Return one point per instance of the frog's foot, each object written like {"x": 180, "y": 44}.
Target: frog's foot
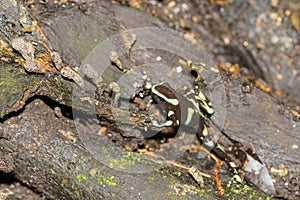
{"x": 167, "y": 123}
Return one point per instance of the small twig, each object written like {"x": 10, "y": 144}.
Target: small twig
{"x": 216, "y": 178}
{"x": 173, "y": 163}
{"x": 208, "y": 152}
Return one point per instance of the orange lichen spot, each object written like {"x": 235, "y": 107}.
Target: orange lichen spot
{"x": 135, "y": 119}
{"x": 259, "y": 20}
{"x": 135, "y": 4}
{"x": 190, "y": 37}
{"x": 20, "y": 61}
{"x": 294, "y": 112}
{"x": 278, "y": 93}
{"x": 44, "y": 39}
{"x": 152, "y": 145}
{"x": 153, "y": 12}
{"x": 22, "y": 103}
{"x": 142, "y": 150}
{"x": 279, "y": 76}
{"x": 102, "y": 130}
{"x": 182, "y": 23}
{"x": 3, "y": 44}
{"x": 182, "y": 62}
{"x": 128, "y": 147}
{"x": 263, "y": 86}
{"x": 234, "y": 69}
{"x": 287, "y": 12}
{"x": 219, "y": 2}
{"x": 195, "y": 19}
{"x": 258, "y": 44}
{"x": 44, "y": 61}
{"x": 68, "y": 134}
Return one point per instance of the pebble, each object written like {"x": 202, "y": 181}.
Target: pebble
{"x": 25, "y": 48}
{"x": 67, "y": 72}
{"x": 56, "y": 60}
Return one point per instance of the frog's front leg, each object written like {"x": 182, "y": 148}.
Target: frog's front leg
{"x": 172, "y": 121}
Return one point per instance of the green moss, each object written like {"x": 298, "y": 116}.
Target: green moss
{"x": 110, "y": 181}
{"x": 81, "y": 178}
{"x": 102, "y": 179}
{"x": 99, "y": 177}
{"x": 178, "y": 173}
{"x": 157, "y": 169}
{"x": 36, "y": 81}
{"x": 151, "y": 179}
{"x": 52, "y": 171}
{"x": 201, "y": 192}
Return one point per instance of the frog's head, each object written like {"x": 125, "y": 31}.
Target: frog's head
{"x": 168, "y": 100}
{"x": 165, "y": 96}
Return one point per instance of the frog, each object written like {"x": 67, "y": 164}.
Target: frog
{"x": 191, "y": 111}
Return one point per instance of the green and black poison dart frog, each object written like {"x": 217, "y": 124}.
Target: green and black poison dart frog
{"x": 182, "y": 110}
{"x": 189, "y": 111}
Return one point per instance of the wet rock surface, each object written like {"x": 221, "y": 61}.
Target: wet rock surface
{"x": 263, "y": 42}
